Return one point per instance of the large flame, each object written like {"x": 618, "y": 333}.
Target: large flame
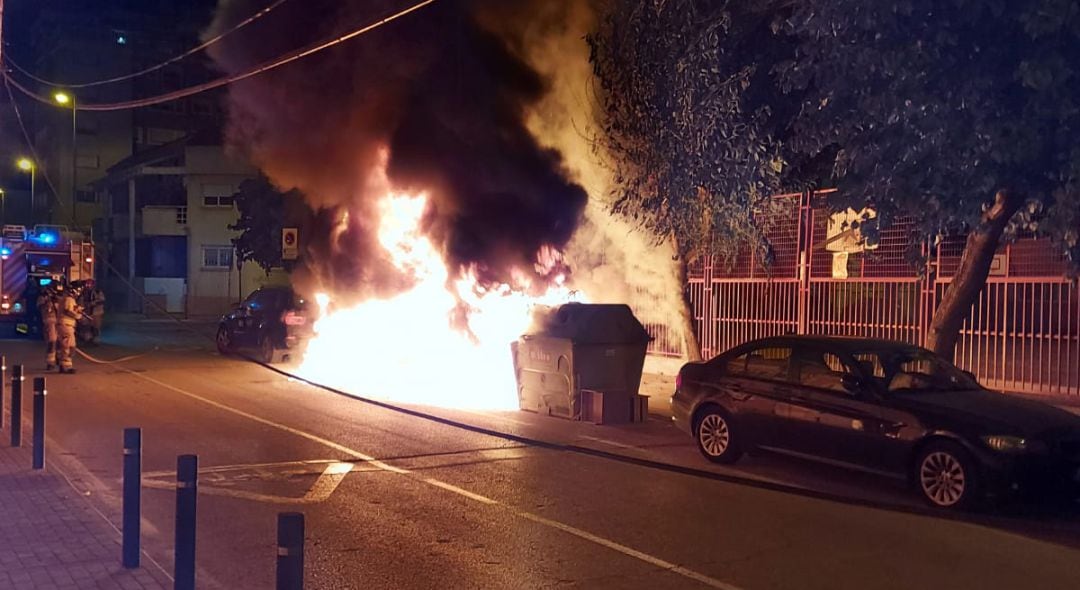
{"x": 443, "y": 342}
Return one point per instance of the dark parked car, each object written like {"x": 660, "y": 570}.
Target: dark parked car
{"x": 877, "y": 406}
{"x": 272, "y": 323}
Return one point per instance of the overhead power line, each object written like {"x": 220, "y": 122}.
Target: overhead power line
{"x": 30, "y": 144}
{"x": 202, "y": 46}
{"x": 219, "y": 82}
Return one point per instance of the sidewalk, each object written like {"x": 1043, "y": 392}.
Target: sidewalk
{"x": 52, "y": 538}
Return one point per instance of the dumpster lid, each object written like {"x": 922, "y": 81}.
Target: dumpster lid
{"x": 590, "y": 323}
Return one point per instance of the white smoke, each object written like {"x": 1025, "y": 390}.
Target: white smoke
{"x": 613, "y": 261}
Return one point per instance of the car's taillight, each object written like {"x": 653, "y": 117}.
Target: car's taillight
{"x": 678, "y": 381}
{"x": 294, "y": 319}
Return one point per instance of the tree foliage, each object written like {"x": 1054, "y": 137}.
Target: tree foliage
{"x": 261, "y": 208}
{"x": 690, "y": 158}
{"x": 961, "y": 115}
{"x": 934, "y": 107}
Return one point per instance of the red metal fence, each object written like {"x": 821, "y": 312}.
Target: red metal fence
{"x": 1022, "y": 334}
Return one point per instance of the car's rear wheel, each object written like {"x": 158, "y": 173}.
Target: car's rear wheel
{"x": 715, "y": 436}
{"x": 266, "y": 350}
{"x": 946, "y": 476}
{"x": 224, "y": 341}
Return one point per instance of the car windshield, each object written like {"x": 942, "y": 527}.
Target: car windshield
{"x": 905, "y": 371}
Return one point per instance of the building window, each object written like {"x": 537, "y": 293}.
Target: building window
{"x": 218, "y": 201}
{"x": 87, "y": 161}
{"x": 217, "y": 195}
{"x": 181, "y": 215}
{"x": 217, "y": 257}
{"x": 86, "y": 196}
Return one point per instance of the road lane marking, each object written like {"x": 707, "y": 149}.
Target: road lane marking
{"x": 453, "y": 488}
{"x": 318, "y": 439}
{"x": 327, "y": 482}
{"x": 628, "y": 551}
{"x": 581, "y": 534}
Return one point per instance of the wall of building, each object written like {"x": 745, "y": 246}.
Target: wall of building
{"x": 79, "y": 41}
{"x": 214, "y": 282}
{"x": 164, "y": 221}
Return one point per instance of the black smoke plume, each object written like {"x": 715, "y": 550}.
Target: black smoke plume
{"x": 443, "y": 96}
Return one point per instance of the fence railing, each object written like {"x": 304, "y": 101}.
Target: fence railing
{"x": 1022, "y": 334}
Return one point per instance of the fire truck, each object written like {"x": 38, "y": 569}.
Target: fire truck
{"x": 33, "y": 259}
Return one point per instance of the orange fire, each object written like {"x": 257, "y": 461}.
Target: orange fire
{"x": 408, "y": 348}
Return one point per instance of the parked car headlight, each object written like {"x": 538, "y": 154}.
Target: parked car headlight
{"x": 1007, "y": 444}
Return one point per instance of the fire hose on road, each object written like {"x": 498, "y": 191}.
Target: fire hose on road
{"x": 98, "y": 361}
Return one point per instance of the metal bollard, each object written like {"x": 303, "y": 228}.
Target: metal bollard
{"x": 132, "y": 497}
{"x": 187, "y": 487}
{"x": 39, "y": 422}
{"x": 290, "y": 551}
{"x": 16, "y": 406}
{"x": 3, "y": 386}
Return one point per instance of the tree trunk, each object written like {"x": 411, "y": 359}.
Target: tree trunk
{"x": 982, "y": 244}
{"x": 691, "y": 346}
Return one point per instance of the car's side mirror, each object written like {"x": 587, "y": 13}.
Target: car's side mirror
{"x": 852, "y": 384}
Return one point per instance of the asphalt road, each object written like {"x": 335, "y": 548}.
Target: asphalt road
{"x": 396, "y": 501}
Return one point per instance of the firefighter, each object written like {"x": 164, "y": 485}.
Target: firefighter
{"x": 47, "y": 309}
{"x": 95, "y": 306}
{"x": 69, "y": 312}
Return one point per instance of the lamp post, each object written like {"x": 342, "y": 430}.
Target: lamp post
{"x": 65, "y": 99}
{"x": 27, "y": 165}
{"x": 3, "y": 206}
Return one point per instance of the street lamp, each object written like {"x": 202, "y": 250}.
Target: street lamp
{"x": 27, "y": 165}
{"x": 3, "y": 206}
{"x": 65, "y": 99}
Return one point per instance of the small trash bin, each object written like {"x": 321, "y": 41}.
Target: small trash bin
{"x": 579, "y": 346}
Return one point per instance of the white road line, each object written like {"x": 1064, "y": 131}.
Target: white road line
{"x": 581, "y": 534}
{"x": 328, "y": 482}
{"x": 628, "y": 551}
{"x": 329, "y": 443}
{"x": 457, "y": 490}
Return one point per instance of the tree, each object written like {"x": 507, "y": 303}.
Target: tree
{"x": 688, "y": 159}
{"x": 960, "y": 115}
{"x": 261, "y": 208}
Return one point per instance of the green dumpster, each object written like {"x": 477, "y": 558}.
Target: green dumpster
{"x": 580, "y": 346}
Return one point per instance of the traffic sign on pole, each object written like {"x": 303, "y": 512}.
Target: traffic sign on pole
{"x": 290, "y": 243}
